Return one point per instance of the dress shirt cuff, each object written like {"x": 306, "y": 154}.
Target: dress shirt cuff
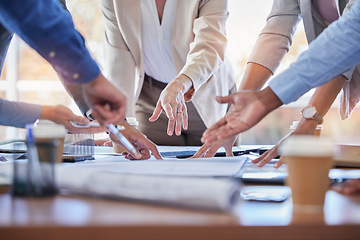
{"x": 348, "y": 74}
{"x": 269, "y": 50}
{"x": 288, "y": 87}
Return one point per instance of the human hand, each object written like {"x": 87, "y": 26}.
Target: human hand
{"x": 348, "y": 187}
{"x": 62, "y": 115}
{"x": 172, "y": 101}
{"x": 248, "y": 108}
{"x": 210, "y": 149}
{"x": 108, "y": 103}
{"x": 269, "y": 155}
{"x": 305, "y": 127}
{"x": 139, "y": 141}
{"x": 103, "y": 142}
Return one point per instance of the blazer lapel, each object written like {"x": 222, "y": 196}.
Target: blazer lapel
{"x": 306, "y": 12}
{"x": 342, "y": 5}
{"x": 129, "y": 12}
{"x": 178, "y": 33}
{"x": 182, "y": 29}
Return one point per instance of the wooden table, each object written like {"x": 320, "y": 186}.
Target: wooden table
{"x": 80, "y": 217}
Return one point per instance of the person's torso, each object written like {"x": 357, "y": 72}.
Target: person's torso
{"x": 157, "y": 40}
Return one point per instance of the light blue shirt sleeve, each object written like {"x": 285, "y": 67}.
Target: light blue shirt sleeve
{"x": 333, "y": 52}
{"x": 18, "y": 114}
{"x": 49, "y": 29}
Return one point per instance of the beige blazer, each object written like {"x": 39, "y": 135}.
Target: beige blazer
{"x": 198, "y": 48}
{"x": 276, "y": 37}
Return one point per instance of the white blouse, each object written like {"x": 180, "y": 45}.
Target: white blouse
{"x": 156, "y": 40}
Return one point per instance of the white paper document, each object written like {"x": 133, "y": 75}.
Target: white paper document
{"x": 199, "y": 183}
{"x": 211, "y": 167}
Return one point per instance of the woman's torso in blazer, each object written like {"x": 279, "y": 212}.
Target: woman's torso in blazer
{"x": 198, "y": 49}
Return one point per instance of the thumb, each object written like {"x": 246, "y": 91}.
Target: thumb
{"x": 226, "y": 99}
{"x": 80, "y": 119}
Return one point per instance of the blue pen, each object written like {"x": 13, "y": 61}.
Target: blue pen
{"x": 33, "y": 161}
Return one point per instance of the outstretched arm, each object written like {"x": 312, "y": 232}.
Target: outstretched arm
{"x": 54, "y": 37}
{"x": 62, "y": 115}
{"x": 206, "y": 53}
{"x": 249, "y": 108}
{"x": 322, "y": 100}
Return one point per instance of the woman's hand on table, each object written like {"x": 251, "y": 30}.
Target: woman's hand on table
{"x": 210, "y": 149}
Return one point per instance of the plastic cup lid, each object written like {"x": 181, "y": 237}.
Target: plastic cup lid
{"x": 49, "y": 131}
{"x": 132, "y": 121}
{"x": 294, "y": 125}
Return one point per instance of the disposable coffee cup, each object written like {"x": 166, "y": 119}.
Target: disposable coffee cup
{"x": 118, "y": 148}
{"x": 309, "y": 160}
{"x": 45, "y": 131}
{"x": 20, "y": 181}
{"x": 44, "y": 150}
{"x": 318, "y": 129}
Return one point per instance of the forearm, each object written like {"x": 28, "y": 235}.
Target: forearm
{"x": 48, "y": 113}
{"x": 325, "y": 95}
{"x": 75, "y": 91}
{"x": 255, "y": 77}
{"x": 322, "y": 100}
{"x": 18, "y": 114}
{"x": 269, "y": 99}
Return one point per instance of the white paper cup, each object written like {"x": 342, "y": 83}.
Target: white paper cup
{"x": 44, "y": 132}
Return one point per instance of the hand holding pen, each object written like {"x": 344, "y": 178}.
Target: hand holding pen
{"x": 113, "y": 130}
{"x": 123, "y": 140}
{"x": 137, "y": 139}
{"x": 134, "y": 141}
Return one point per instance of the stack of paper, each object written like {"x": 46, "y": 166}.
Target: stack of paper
{"x": 197, "y": 183}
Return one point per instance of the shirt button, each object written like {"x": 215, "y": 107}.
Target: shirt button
{"x": 76, "y": 76}
{"x": 52, "y": 54}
